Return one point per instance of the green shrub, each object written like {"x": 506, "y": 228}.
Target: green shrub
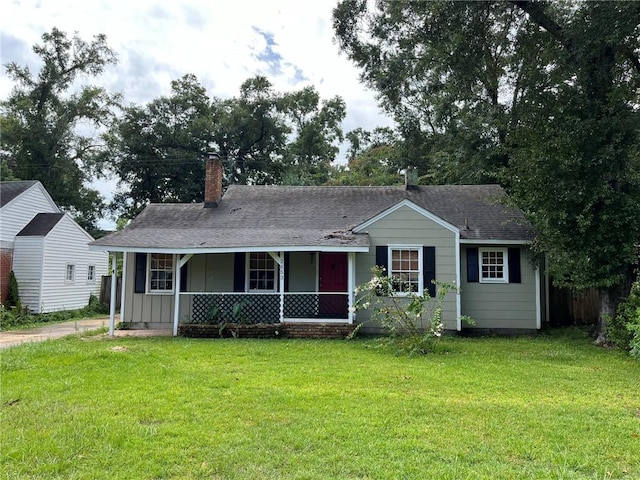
{"x": 13, "y": 297}
{"x": 413, "y": 322}
{"x": 624, "y": 329}
{"x": 15, "y": 317}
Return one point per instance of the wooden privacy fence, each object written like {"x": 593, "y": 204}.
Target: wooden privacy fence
{"x": 568, "y": 307}
{"x": 105, "y": 290}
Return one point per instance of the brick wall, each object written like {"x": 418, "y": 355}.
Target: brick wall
{"x": 6, "y": 259}
{"x": 268, "y": 330}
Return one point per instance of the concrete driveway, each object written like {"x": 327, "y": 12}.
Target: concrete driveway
{"x": 58, "y": 330}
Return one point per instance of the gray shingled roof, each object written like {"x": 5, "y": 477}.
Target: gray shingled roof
{"x": 40, "y": 225}
{"x": 10, "y": 190}
{"x": 281, "y": 216}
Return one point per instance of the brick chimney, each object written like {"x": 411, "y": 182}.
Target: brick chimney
{"x": 212, "y": 181}
{"x": 411, "y": 179}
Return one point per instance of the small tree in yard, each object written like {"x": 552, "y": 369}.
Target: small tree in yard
{"x": 13, "y": 297}
{"x": 413, "y": 322}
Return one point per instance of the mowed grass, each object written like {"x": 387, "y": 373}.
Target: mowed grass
{"x": 155, "y": 408}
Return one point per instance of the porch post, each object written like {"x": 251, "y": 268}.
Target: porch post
{"x": 112, "y": 300}
{"x": 122, "y": 287}
{"x": 279, "y": 259}
{"x": 351, "y": 277}
{"x": 176, "y": 299}
{"x": 281, "y": 264}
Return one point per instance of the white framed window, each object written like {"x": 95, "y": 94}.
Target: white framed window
{"x": 494, "y": 265}
{"x": 161, "y": 277}
{"x": 405, "y": 265}
{"x": 91, "y": 273}
{"x": 262, "y": 272}
{"x": 70, "y": 273}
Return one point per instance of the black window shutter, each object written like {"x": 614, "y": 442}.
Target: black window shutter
{"x": 472, "y": 265}
{"x": 238, "y": 271}
{"x": 429, "y": 269}
{"x": 183, "y": 276}
{"x": 287, "y": 256}
{"x": 141, "y": 273}
{"x": 514, "y": 265}
{"x": 382, "y": 257}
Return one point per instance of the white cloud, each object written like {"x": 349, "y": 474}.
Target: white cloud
{"x": 222, "y": 42}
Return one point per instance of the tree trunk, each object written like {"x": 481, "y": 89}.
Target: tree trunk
{"x": 610, "y": 298}
{"x": 607, "y": 312}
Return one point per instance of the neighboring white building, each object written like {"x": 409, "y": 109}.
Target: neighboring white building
{"x": 47, "y": 251}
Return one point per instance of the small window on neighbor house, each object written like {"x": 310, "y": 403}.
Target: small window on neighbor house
{"x": 493, "y": 265}
{"x": 70, "y": 274}
{"x": 405, "y": 266}
{"x": 160, "y": 273}
{"x": 91, "y": 273}
{"x": 262, "y": 272}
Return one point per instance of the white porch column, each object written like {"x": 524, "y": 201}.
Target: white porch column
{"x": 538, "y": 299}
{"x": 279, "y": 259}
{"x": 351, "y": 284}
{"x": 112, "y": 301}
{"x": 122, "y": 287}
{"x": 176, "y": 299}
{"x": 458, "y": 247}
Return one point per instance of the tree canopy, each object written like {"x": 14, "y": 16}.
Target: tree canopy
{"x": 42, "y": 118}
{"x": 542, "y": 97}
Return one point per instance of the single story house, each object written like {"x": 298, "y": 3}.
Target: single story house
{"x": 288, "y": 254}
{"x": 47, "y": 251}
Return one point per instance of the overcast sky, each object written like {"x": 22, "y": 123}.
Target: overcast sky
{"x": 222, "y": 42}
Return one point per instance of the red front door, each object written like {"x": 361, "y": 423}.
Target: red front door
{"x": 333, "y": 279}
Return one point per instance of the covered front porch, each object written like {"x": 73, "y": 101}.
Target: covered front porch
{"x": 248, "y": 288}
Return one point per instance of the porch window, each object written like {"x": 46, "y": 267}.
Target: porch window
{"x": 494, "y": 265}
{"x": 262, "y": 272}
{"x": 406, "y": 267}
{"x": 160, "y": 273}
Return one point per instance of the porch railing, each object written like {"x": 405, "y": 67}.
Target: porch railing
{"x": 265, "y": 307}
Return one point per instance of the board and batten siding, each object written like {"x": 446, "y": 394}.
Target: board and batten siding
{"x": 21, "y": 210}
{"x": 154, "y": 310}
{"x": 405, "y": 226}
{"x": 503, "y": 306}
{"x": 67, "y": 243}
{"x": 28, "y": 263}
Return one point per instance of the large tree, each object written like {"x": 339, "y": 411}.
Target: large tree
{"x": 316, "y": 129}
{"x": 540, "y": 96}
{"x": 157, "y": 149}
{"x": 49, "y": 120}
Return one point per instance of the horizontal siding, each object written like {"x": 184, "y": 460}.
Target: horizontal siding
{"x": 501, "y": 305}
{"x": 15, "y": 216}
{"x": 68, "y": 244}
{"x": 27, "y": 267}
{"x": 406, "y": 226}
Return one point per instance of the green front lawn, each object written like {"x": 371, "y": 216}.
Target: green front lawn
{"x": 155, "y": 408}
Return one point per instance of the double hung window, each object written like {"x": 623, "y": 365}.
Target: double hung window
{"x": 161, "y": 273}
{"x": 494, "y": 265}
{"x": 262, "y": 272}
{"x": 406, "y": 269}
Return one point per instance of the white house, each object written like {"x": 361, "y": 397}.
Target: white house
{"x": 47, "y": 251}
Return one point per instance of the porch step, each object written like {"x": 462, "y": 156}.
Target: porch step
{"x": 267, "y": 330}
